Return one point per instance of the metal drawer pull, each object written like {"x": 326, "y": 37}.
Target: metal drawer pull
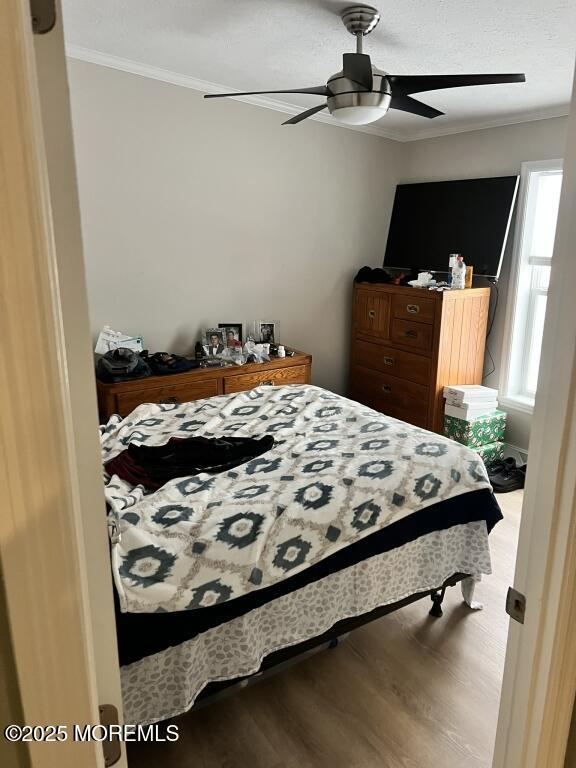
{"x": 411, "y": 334}
{"x": 389, "y": 361}
{"x": 386, "y": 388}
{"x": 371, "y": 314}
{"x": 170, "y": 401}
{"x": 413, "y": 308}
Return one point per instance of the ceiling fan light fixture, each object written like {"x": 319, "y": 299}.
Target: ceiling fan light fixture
{"x": 357, "y": 107}
{"x": 359, "y": 115}
{"x": 361, "y": 93}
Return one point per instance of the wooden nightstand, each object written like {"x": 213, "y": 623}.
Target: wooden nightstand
{"x": 124, "y": 396}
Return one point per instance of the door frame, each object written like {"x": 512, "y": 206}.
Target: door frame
{"x": 42, "y": 447}
{"x": 540, "y": 669}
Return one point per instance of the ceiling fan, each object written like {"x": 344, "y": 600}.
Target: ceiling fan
{"x": 361, "y": 93}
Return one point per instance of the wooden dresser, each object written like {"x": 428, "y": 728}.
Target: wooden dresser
{"x": 408, "y": 343}
{"x": 124, "y": 396}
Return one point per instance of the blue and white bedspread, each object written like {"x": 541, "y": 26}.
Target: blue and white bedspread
{"x": 338, "y": 472}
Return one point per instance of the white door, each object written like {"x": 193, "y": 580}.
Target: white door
{"x": 540, "y": 670}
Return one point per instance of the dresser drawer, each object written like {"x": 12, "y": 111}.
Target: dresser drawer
{"x": 395, "y": 362}
{"x": 371, "y": 313}
{"x": 170, "y": 393}
{"x": 410, "y": 308}
{"x": 409, "y": 334}
{"x": 396, "y": 397}
{"x": 296, "y": 374}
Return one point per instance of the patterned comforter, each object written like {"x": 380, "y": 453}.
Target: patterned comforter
{"x": 338, "y": 472}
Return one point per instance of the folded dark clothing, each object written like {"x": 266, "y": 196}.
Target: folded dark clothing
{"x": 164, "y": 363}
{"x": 127, "y": 469}
{"x": 154, "y": 465}
{"x": 369, "y": 275}
{"x": 121, "y": 365}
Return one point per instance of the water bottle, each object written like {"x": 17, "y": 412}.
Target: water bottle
{"x": 459, "y": 274}
{"x": 451, "y": 263}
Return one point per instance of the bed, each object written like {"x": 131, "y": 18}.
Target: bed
{"x": 348, "y": 516}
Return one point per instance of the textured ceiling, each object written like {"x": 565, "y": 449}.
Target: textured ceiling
{"x": 259, "y": 44}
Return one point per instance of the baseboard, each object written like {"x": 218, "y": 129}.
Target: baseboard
{"x": 515, "y": 451}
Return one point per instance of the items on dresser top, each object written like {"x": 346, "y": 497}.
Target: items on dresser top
{"x": 424, "y": 280}
{"x": 370, "y": 275}
{"x": 408, "y": 344}
{"x": 165, "y": 363}
{"x": 122, "y": 364}
{"x": 122, "y": 397}
{"x": 109, "y": 339}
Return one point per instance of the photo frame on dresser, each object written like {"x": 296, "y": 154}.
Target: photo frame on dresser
{"x": 214, "y": 341}
{"x": 266, "y": 332}
{"x": 233, "y": 334}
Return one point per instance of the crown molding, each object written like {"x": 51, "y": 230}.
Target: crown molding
{"x": 186, "y": 81}
{"x": 501, "y": 122}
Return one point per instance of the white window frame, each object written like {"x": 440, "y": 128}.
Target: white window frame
{"x": 513, "y": 360}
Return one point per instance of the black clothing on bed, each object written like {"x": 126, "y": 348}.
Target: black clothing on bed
{"x": 142, "y": 634}
{"x": 154, "y": 465}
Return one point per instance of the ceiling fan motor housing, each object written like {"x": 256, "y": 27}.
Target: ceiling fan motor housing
{"x": 345, "y": 94}
{"x": 360, "y": 93}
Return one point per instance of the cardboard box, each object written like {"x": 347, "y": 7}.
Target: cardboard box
{"x": 491, "y": 451}
{"x": 477, "y": 432}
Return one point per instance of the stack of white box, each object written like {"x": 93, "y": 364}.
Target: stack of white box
{"x": 468, "y": 401}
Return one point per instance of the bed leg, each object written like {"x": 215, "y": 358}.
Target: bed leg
{"x": 437, "y": 599}
{"x": 468, "y": 585}
{"x": 335, "y": 642}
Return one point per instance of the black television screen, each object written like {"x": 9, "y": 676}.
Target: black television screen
{"x": 434, "y": 219}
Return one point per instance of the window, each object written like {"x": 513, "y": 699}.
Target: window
{"x": 530, "y": 275}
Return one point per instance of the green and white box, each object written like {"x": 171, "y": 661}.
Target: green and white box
{"x": 477, "y": 432}
{"x": 491, "y": 451}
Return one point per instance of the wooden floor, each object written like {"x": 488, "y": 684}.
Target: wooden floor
{"x": 406, "y": 691}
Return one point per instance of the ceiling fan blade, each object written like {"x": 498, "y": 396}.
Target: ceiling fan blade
{"x": 304, "y": 115}
{"x": 419, "y": 83}
{"x": 408, "y": 104}
{"x": 357, "y": 67}
{"x": 317, "y": 90}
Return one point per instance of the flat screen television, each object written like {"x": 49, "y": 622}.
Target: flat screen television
{"x": 434, "y": 219}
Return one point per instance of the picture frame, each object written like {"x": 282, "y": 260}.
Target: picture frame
{"x": 265, "y": 331}
{"x": 233, "y": 335}
{"x": 213, "y": 341}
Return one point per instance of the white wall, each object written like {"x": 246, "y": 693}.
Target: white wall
{"x": 196, "y": 212}
{"x": 490, "y": 152}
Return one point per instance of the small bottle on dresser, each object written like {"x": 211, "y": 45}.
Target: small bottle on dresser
{"x": 459, "y": 274}
{"x": 451, "y": 263}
